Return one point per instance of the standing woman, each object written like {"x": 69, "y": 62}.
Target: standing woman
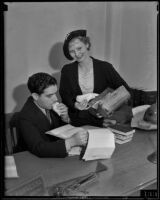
{"x": 84, "y": 75}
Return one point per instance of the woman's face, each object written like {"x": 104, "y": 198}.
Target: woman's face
{"x": 78, "y": 50}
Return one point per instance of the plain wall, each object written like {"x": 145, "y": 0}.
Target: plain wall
{"x": 121, "y": 33}
{"x": 131, "y": 42}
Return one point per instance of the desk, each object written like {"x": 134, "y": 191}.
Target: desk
{"x": 128, "y": 168}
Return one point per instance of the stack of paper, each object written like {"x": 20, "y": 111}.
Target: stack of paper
{"x": 101, "y": 144}
{"x": 10, "y": 167}
{"x": 122, "y": 133}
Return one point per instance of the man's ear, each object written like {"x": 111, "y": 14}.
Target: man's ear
{"x": 35, "y": 96}
{"x": 87, "y": 45}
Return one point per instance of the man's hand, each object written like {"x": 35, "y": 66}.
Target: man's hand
{"x": 62, "y": 109}
{"x": 63, "y": 112}
{"x": 79, "y": 139}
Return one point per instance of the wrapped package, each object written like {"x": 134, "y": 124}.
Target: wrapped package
{"x": 109, "y": 101}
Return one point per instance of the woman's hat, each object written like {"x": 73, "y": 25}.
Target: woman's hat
{"x": 69, "y": 37}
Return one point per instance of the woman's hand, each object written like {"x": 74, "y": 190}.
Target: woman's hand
{"x": 81, "y": 105}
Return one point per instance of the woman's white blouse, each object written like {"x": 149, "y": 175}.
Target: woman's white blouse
{"x": 86, "y": 80}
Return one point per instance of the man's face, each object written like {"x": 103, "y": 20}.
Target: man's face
{"x": 48, "y": 97}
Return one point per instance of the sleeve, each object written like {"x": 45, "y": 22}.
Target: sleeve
{"x": 65, "y": 89}
{"x": 37, "y": 144}
{"x": 115, "y": 81}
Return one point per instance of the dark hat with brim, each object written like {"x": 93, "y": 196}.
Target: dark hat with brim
{"x": 69, "y": 37}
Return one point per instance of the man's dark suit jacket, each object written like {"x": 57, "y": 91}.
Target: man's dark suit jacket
{"x": 104, "y": 76}
{"x": 32, "y": 126}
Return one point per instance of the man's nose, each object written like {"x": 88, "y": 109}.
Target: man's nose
{"x": 55, "y": 98}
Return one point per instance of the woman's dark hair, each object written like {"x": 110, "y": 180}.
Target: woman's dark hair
{"x": 38, "y": 82}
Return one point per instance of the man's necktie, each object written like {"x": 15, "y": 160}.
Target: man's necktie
{"x": 48, "y": 115}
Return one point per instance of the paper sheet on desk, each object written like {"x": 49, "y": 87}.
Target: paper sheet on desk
{"x": 10, "y": 167}
{"x": 65, "y": 131}
{"x": 101, "y": 144}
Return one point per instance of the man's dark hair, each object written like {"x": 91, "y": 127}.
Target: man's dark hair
{"x": 38, "y": 82}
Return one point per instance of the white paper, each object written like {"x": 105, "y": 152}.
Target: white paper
{"x": 101, "y": 144}
{"x": 139, "y": 109}
{"x": 65, "y": 131}
{"x": 137, "y": 120}
{"x": 87, "y": 97}
{"x": 75, "y": 151}
{"x": 10, "y": 167}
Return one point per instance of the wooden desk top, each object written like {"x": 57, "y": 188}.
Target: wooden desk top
{"x": 128, "y": 168}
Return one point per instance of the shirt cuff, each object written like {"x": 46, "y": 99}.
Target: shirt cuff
{"x": 68, "y": 146}
{"x": 66, "y": 119}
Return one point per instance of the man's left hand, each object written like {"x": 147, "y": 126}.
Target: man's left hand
{"x": 63, "y": 112}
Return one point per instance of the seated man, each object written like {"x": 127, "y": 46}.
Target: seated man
{"x": 33, "y": 121}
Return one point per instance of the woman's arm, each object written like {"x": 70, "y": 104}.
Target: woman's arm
{"x": 65, "y": 90}
{"x": 115, "y": 79}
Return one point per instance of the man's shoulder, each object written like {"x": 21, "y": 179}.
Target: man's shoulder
{"x": 27, "y": 109}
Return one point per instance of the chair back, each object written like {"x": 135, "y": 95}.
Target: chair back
{"x": 141, "y": 97}
{"x": 13, "y": 142}
{"x": 9, "y": 139}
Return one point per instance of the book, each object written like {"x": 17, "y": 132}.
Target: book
{"x": 123, "y": 137}
{"x": 118, "y": 141}
{"x": 98, "y": 98}
{"x": 101, "y": 144}
{"x": 121, "y": 129}
{"x": 110, "y": 99}
{"x": 65, "y": 131}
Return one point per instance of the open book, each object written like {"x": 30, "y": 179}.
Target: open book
{"x": 101, "y": 144}
{"x": 65, "y": 131}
